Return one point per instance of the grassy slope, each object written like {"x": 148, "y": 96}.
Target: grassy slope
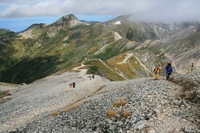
{"x": 103, "y": 69}
{"x": 37, "y": 58}
{"x": 6, "y": 49}
{"x": 139, "y": 65}
{"x": 132, "y": 68}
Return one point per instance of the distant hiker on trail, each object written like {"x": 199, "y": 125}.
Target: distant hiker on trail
{"x": 93, "y": 76}
{"x": 156, "y": 72}
{"x": 70, "y": 85}
{"x": 73, "y": 84}
{"x": 192, "y": 67}
{"x": 169, "y": 70}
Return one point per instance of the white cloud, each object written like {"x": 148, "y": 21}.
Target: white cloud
{"x": 179, "y": 10}
{"x": 44, "y": 8}
{"x": 149, "y": 10}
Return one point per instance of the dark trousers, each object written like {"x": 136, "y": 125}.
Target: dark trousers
{"x": 168, "y": 75}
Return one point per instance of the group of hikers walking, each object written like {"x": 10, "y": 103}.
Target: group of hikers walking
{"x": 74, "y": 84}
{"x": 168, "y": 70}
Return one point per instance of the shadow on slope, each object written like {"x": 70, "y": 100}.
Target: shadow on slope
{"x": 29, "y": 70}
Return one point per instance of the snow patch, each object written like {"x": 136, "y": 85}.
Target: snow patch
{"x": 118, "y": 22}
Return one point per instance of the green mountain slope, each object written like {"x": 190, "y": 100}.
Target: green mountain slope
{"x": 6, "y": 49}
{"x": 43, "y": 49}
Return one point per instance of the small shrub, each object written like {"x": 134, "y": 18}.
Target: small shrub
{"x": 65, "y": 110}
{"x": 111, "y": 113}
{"x": 54, "y": 113}
{"x": 124, "y": 102}
{"x": 126, "y": 114}
{"x": 119, "y": 102}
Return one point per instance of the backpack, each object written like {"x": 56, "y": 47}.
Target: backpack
{"x": 169, "y": 69}
{"x": 156, "y": 70}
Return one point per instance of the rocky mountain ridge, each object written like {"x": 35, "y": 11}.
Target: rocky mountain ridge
{"x": 69, "y": 41}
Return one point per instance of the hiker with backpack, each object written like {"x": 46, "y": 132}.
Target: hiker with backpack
{"x": 169, "y": 70}
{"x": 156, "y": 72}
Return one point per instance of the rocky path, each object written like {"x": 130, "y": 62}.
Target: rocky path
{"x": 44, "y": 96}
{"x": 131, "y": 106}
{"x": 100, "y": 106}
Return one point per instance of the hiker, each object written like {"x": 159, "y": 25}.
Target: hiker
{"x": 93, "y": 76}
{"x": 156, "y": 72}
{"x": 169, "y": 70}
{"x": 192, "y": 67}
{"x": 73, "y": 84}
{"x": 70, "y": 85}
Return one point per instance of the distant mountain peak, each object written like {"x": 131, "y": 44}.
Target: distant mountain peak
{"x": 70, "y": 19}
{"x": 66, "y": 18}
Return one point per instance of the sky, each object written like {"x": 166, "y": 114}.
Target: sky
{"x": 18, "y": 15}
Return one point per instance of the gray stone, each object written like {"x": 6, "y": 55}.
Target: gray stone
{"x": 109, "y": 121}
{"x": 152, "y": 131}
{"x": 198, "y": 120}
{"x": 140, "y": 127}
{"x": 120, "y": 123}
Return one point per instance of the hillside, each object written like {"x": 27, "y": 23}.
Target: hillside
{"x": 176, "y": 42}
{"x": 99, "y": 105}
{"x": 42, "y": 50}
{"x": 6, "y": 48}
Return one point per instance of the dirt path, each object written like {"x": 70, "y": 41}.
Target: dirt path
{"x": 46, "y": 95}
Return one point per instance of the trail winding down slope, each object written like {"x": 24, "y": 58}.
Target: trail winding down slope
{"x": 46, "y": 95}
{"x": 152, "y": 106}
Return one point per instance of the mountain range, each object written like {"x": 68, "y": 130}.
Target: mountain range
{"x": 118, "y": 49}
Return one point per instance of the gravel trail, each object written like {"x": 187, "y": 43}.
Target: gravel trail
{"x": 149, "y": 106}
{"x": 43, "y": 96}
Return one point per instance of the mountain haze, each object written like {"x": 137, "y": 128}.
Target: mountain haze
{"x": 118, "y": 49}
